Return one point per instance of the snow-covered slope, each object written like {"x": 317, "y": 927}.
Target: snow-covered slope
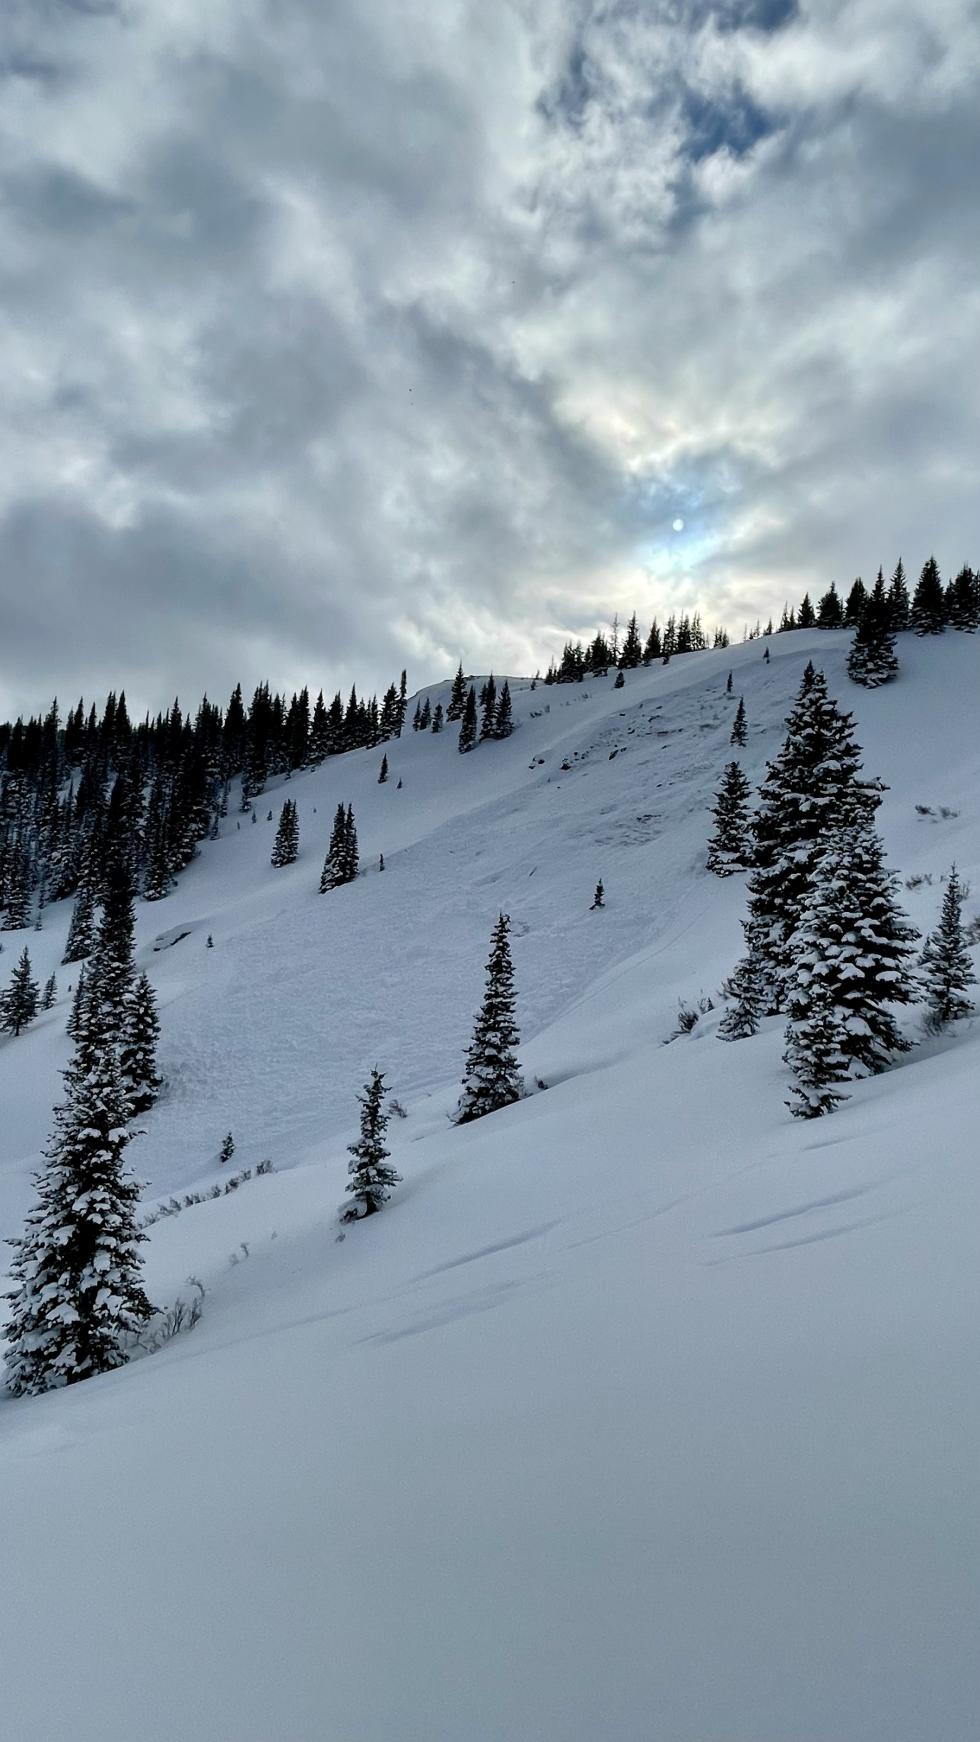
{"x": 644, "y": 1411}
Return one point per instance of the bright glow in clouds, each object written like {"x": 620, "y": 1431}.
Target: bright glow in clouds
{"x": 342, "y": 338}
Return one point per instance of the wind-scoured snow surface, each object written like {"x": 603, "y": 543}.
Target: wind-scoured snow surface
{"x": 644, "y": 1412}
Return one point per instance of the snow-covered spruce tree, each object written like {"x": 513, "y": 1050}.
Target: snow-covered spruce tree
{"x": 852, "y": 956}
{"x": 457, "y": 696}
{"x": 632, "y": 651}
{"x": 946, "y": 963}
{"x": 746, "y": 991}
{"x": 599, "y": 898}
{"x": 964, "y": 601}
{"x": 928, "y": 614}
{"x": 488, "y": 707}
{"x": 351, "y": 857}
{"x": 740, "y": 730}
{"x": 730, "y": 844}
{"x": 872, "y": 659}
{"x": 285, "y": 849}
{"x": 112, "y": 974}
{"x": 899, "y": 608}
{"x": 857, "y": 598}
{"x": 50, "y": 992}
{"x": 815, "y": 1057}
{"x": 383, "y": 771}
{"x": 493, "y": 1078}
{"x": 830, "y": 611}
{"x": 503, "y": 723}
{"x": 78, "y": 1013}
{"x": 16, "y": 887}
{"x": 77, "y": 1297}
{"x": 333, "y": 865}
{"x": 20, "y": 1001}
{"x": 138, "y": 1048}
{"x": 81, "y": 927}
{"x": 467, "y": 725}
{"x": 158, "y": 873}
{"x": 425, "y": 718}
{"x": 812, "y": 787}
{"x": 227, "y": 1149}
{"x": 437, "y": 717}
{"x": 371, "y": 1175}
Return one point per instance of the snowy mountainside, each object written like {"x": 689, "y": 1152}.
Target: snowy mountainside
{"x": 643, "y": 1411}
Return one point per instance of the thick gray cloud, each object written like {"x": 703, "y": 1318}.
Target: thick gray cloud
{"x": 340, "y": 337}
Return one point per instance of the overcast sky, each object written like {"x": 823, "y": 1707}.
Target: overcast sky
{"x": 337, "y": 335}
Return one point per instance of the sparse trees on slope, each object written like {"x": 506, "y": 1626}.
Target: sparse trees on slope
{"x": 740, "y": 729}
{"x": 372, "y": 1177}
{"x": 285, "y": 849}
{"x": 851, "y": 965}
{"x": 492, "y": 1077}
{"x": 77, "y": 1298}
{"x": 730, "y": 845}
{"x": 947, "y": 966}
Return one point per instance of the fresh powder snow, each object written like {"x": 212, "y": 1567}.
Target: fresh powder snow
{"x": 643, "y": 1412}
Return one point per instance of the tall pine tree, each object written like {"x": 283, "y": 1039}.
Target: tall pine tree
{"x": 77, "y": 1299}
{"x": 81, "y": 927}
{"x": 872, "y": 660}
{"x": 730, "y": 844}
{"x": 18, "y": 1006}
{"x": 467, "y": 725}
{"x": 947, "y": 966}
{"x": 372, "y": 1177}
{"x": 852, "y": 957}
{"x": 285, "y": 849}
{"x": 457, "y": 696}
{"x": 493, "y": 1077}
{"x": 813, "y": 786}
{"x": 928, "y": 615}
{"x": 138, "y": 1047}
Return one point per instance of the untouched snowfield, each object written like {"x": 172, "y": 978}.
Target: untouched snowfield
{"x": 644, "y": 1413}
